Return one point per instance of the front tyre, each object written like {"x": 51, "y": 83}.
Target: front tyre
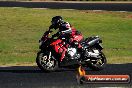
{"x": 46, "y": 61}
{"x": 99, "y": 64}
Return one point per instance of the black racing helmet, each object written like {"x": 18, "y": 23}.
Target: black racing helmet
{"x": 56, "y": 21}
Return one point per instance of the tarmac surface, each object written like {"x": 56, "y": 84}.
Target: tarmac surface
{"x": 33, "y": 77}
{"x": 110, "y": 6}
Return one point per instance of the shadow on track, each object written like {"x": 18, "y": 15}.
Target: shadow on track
{"x": 110, "y": 69}
{"x": 29, "y": 69}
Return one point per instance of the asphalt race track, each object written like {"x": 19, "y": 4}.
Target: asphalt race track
{"x": 110, "y": 6}
{"x": 33, "y": 77}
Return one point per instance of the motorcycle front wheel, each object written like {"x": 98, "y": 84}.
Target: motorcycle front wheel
{"x": 46, "y": 61}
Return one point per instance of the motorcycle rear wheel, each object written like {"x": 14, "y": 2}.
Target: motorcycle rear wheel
{"x": 46, "y": 64}
{"x": 99, "y": 65}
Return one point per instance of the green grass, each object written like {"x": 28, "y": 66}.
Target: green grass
{"x": 21, "y": 28}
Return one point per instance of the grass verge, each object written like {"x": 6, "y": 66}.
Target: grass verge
{"x": 21, "y": 28}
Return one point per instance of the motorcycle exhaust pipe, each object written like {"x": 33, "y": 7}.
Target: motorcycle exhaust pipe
{"x": 92, "y": 42}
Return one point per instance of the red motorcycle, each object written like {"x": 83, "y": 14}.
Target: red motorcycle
{"x": 89, "y": 55}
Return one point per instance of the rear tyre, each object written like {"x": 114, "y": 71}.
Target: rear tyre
{"x": 45, "y": 63}
{"x": 99, "y": 64}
